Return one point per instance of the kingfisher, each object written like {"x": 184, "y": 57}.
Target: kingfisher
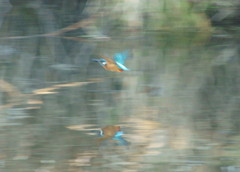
{"x": 113, "y": 133}
{"x": 115, "y": 64}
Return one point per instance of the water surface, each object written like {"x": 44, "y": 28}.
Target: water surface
{"x": 178, "y": 106}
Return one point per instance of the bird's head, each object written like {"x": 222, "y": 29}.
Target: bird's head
{"x": 101, "y": 61}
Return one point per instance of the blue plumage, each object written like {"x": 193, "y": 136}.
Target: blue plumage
{"x": 102, "y": 62}
{"x": 118, "y": 137}
{"x": 120, "y": 58}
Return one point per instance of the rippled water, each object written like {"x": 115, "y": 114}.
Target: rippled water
{"x": 178, "y": 107}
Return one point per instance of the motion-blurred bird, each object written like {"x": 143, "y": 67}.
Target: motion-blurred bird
{"x": 112, "y": 133}
{"x": 116, "y": 64}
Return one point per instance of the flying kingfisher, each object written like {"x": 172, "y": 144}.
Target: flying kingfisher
{"x": 116, "y": 64}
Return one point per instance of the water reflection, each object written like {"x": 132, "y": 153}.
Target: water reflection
{"x": 108, "y": 134}
{"x": 177, "y": 108}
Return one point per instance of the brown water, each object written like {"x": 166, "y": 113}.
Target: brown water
{"x": 178, "y": 106}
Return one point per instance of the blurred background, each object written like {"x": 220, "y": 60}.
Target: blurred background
{"x": 178, "y": 107}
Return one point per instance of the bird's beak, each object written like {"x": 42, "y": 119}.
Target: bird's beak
{"x": 95, "y": 60}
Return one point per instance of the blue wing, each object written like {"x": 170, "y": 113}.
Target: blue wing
{"x": 120, "y": 139}
{"x": 120, "y": 58}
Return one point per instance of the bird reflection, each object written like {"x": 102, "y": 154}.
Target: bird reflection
{"x": 111, "y": 134}
{"x": 116, "y": 64}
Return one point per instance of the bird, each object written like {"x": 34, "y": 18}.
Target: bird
{"x": 112, "y": 133}
{"x": 115, "y": 64}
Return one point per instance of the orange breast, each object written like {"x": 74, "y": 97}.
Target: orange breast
{"x": 111, "y": 65}
{"x": 109, "y": 131}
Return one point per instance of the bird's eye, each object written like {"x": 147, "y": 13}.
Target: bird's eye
{"x": 104, "y": 63}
